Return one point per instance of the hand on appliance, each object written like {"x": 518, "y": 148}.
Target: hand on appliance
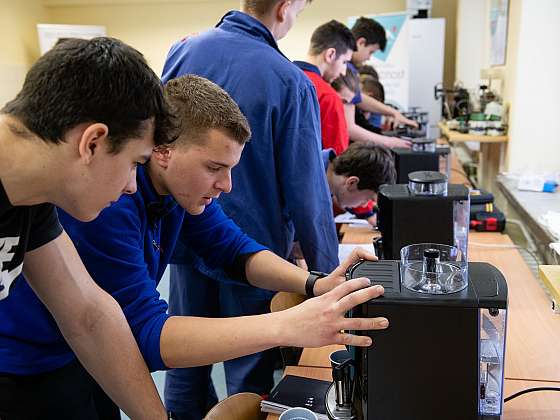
{"x": 338, "y": 276}
{"x": 392, "y": 142}
{"x": 400, "y": 119}
{"x": 321, "y": 320}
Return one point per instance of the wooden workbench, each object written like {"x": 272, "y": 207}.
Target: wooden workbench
{"x": 491, "y": 153}
{"x": 533, "y": 332}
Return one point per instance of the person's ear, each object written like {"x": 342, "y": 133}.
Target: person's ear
{"x": 161, "y": 155}
{"x": 282, "y": 10}
{"x": 352, "y": 183}
{"x": 330, "y": 55}
{"x": 92, "y": 140}
{"x": 361, "y": 42}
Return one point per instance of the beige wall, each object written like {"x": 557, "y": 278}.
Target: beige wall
{"x": 19, "y": 46}
{"x": 152, "y": 26}
{"x": 530, "y": 75}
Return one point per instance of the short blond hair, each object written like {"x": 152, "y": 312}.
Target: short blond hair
{"x": 199, "y": 105}
{"x": 260, "y": 7}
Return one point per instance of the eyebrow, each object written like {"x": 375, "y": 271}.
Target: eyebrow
{"x": 215, "y": 162}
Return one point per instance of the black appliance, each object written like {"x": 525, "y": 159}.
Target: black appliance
{"x": 427, "y": 209}
{"x": 442, "y": 356}
{"x": 424, "y": 155}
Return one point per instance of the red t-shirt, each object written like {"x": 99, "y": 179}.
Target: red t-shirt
{"x": 334, "y": 131}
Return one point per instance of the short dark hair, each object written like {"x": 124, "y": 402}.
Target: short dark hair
{"x": 199, "y": 105}
{"x": 372, "y": 87}
{"x": 349, "y": 80}
{"x": 366, "y": 69}
{"x": 332, "y": 34}
{"x": 260, "y": 7}
{"x": 371, "y": 163}
{"x": 371, "y": 30}
{"x": 99, "y": 80}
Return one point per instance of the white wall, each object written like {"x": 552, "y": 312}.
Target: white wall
{"x": 471, "y": 41}
{"x": 530, "y": 75}
{"x": 535, "y": 107}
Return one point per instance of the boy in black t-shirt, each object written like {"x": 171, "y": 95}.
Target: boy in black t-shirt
{"x": 89, "y": 112}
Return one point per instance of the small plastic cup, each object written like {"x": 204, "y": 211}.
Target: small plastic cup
{"x": 298, "y": 413}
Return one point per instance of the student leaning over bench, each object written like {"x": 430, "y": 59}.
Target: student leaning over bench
{"x": 127, "y": 248}
{"x": 88, "y": 113}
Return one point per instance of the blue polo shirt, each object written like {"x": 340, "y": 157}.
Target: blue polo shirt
{"x": 126, "y": 250}
{"x": 358, "y": 96}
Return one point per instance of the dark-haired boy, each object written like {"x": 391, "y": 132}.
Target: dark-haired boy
{"x": 370, "y": 36}
{"x": 331, "y": 47}
{"x": 355, "y": 176}
{"x": 127, "y": 249}
{"x": 87, "y": 115}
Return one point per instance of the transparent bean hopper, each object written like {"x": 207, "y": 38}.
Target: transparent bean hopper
{"x": 424, "y": 155}
{"x": 433, "y": 268}
{"x": 442, "y": 356}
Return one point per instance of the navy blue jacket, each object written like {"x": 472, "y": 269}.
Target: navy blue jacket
{"x": 279, "y": 187}
{"x": 126, "y": 250}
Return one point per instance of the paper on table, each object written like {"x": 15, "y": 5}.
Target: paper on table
{"x": 350, "y": 218}
{"x": 344, "y": 250}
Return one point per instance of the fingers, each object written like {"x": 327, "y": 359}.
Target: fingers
{"x": 364, "y": 324}
{"x": 358, "y": 297}
{"x": 349, "y": 286}
{"x": 353, "y": 340}
{"x": 357, "y": 255}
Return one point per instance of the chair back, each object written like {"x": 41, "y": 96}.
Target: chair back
{"x": 242, "y": 406}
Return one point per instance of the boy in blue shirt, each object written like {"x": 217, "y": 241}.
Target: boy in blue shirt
{"x": 127, "y": 249}
{"x": 370, "y": 36}
{"x": 281, "y": 188}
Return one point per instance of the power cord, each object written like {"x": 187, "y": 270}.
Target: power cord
{"x": 526, "y": 391}
{"x": 506, "y": 246}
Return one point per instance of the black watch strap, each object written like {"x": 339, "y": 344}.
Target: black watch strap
{"x": 310, "y": 282}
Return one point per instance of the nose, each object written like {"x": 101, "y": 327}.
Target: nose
{"x": 224, "y": 183}
{"x": 130, "y": 187}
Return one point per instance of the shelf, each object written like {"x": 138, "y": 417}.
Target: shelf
{"x": 455, "y": 136}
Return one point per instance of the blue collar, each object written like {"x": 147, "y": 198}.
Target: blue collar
{"x": 157, "y": 206}
{"x": 239, "y": 22}
{"x": 305, "y": 66}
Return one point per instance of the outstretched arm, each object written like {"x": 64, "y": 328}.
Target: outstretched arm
{"x": 94, "y": 326}
{"x": 373, "y": 105}
{"x": 189, "y": 341}
{"x": 362, "y": 135}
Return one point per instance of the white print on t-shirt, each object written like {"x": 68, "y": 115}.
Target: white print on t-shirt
{"x": 7, "y": 246}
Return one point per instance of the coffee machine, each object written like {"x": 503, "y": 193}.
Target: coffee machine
{"x": 424, "y": 155}
{"x": 427, "y": 209}
{"x": 442, "y": 356}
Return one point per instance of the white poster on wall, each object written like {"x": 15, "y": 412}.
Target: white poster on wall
{"x": 498, "y": 32}
{"x": 50, "y": 34}
{"x": 392, "y": 64}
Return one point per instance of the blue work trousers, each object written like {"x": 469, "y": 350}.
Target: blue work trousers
{"x": 190, "y": 393}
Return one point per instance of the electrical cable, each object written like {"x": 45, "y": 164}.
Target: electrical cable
{"x": 525, "y": 391}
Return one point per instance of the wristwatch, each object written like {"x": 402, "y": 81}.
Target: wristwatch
{"x": 310, "y": 282}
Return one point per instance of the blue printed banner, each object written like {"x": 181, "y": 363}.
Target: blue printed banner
{"x": 393, "y": 24}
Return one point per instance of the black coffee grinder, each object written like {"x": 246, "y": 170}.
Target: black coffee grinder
{"x": 442, "y": 356}
{"x": 424, "y": 155}
{"x": 427, "y": 209}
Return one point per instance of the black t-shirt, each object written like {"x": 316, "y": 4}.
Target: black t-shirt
{"x": 22, "y": 229}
